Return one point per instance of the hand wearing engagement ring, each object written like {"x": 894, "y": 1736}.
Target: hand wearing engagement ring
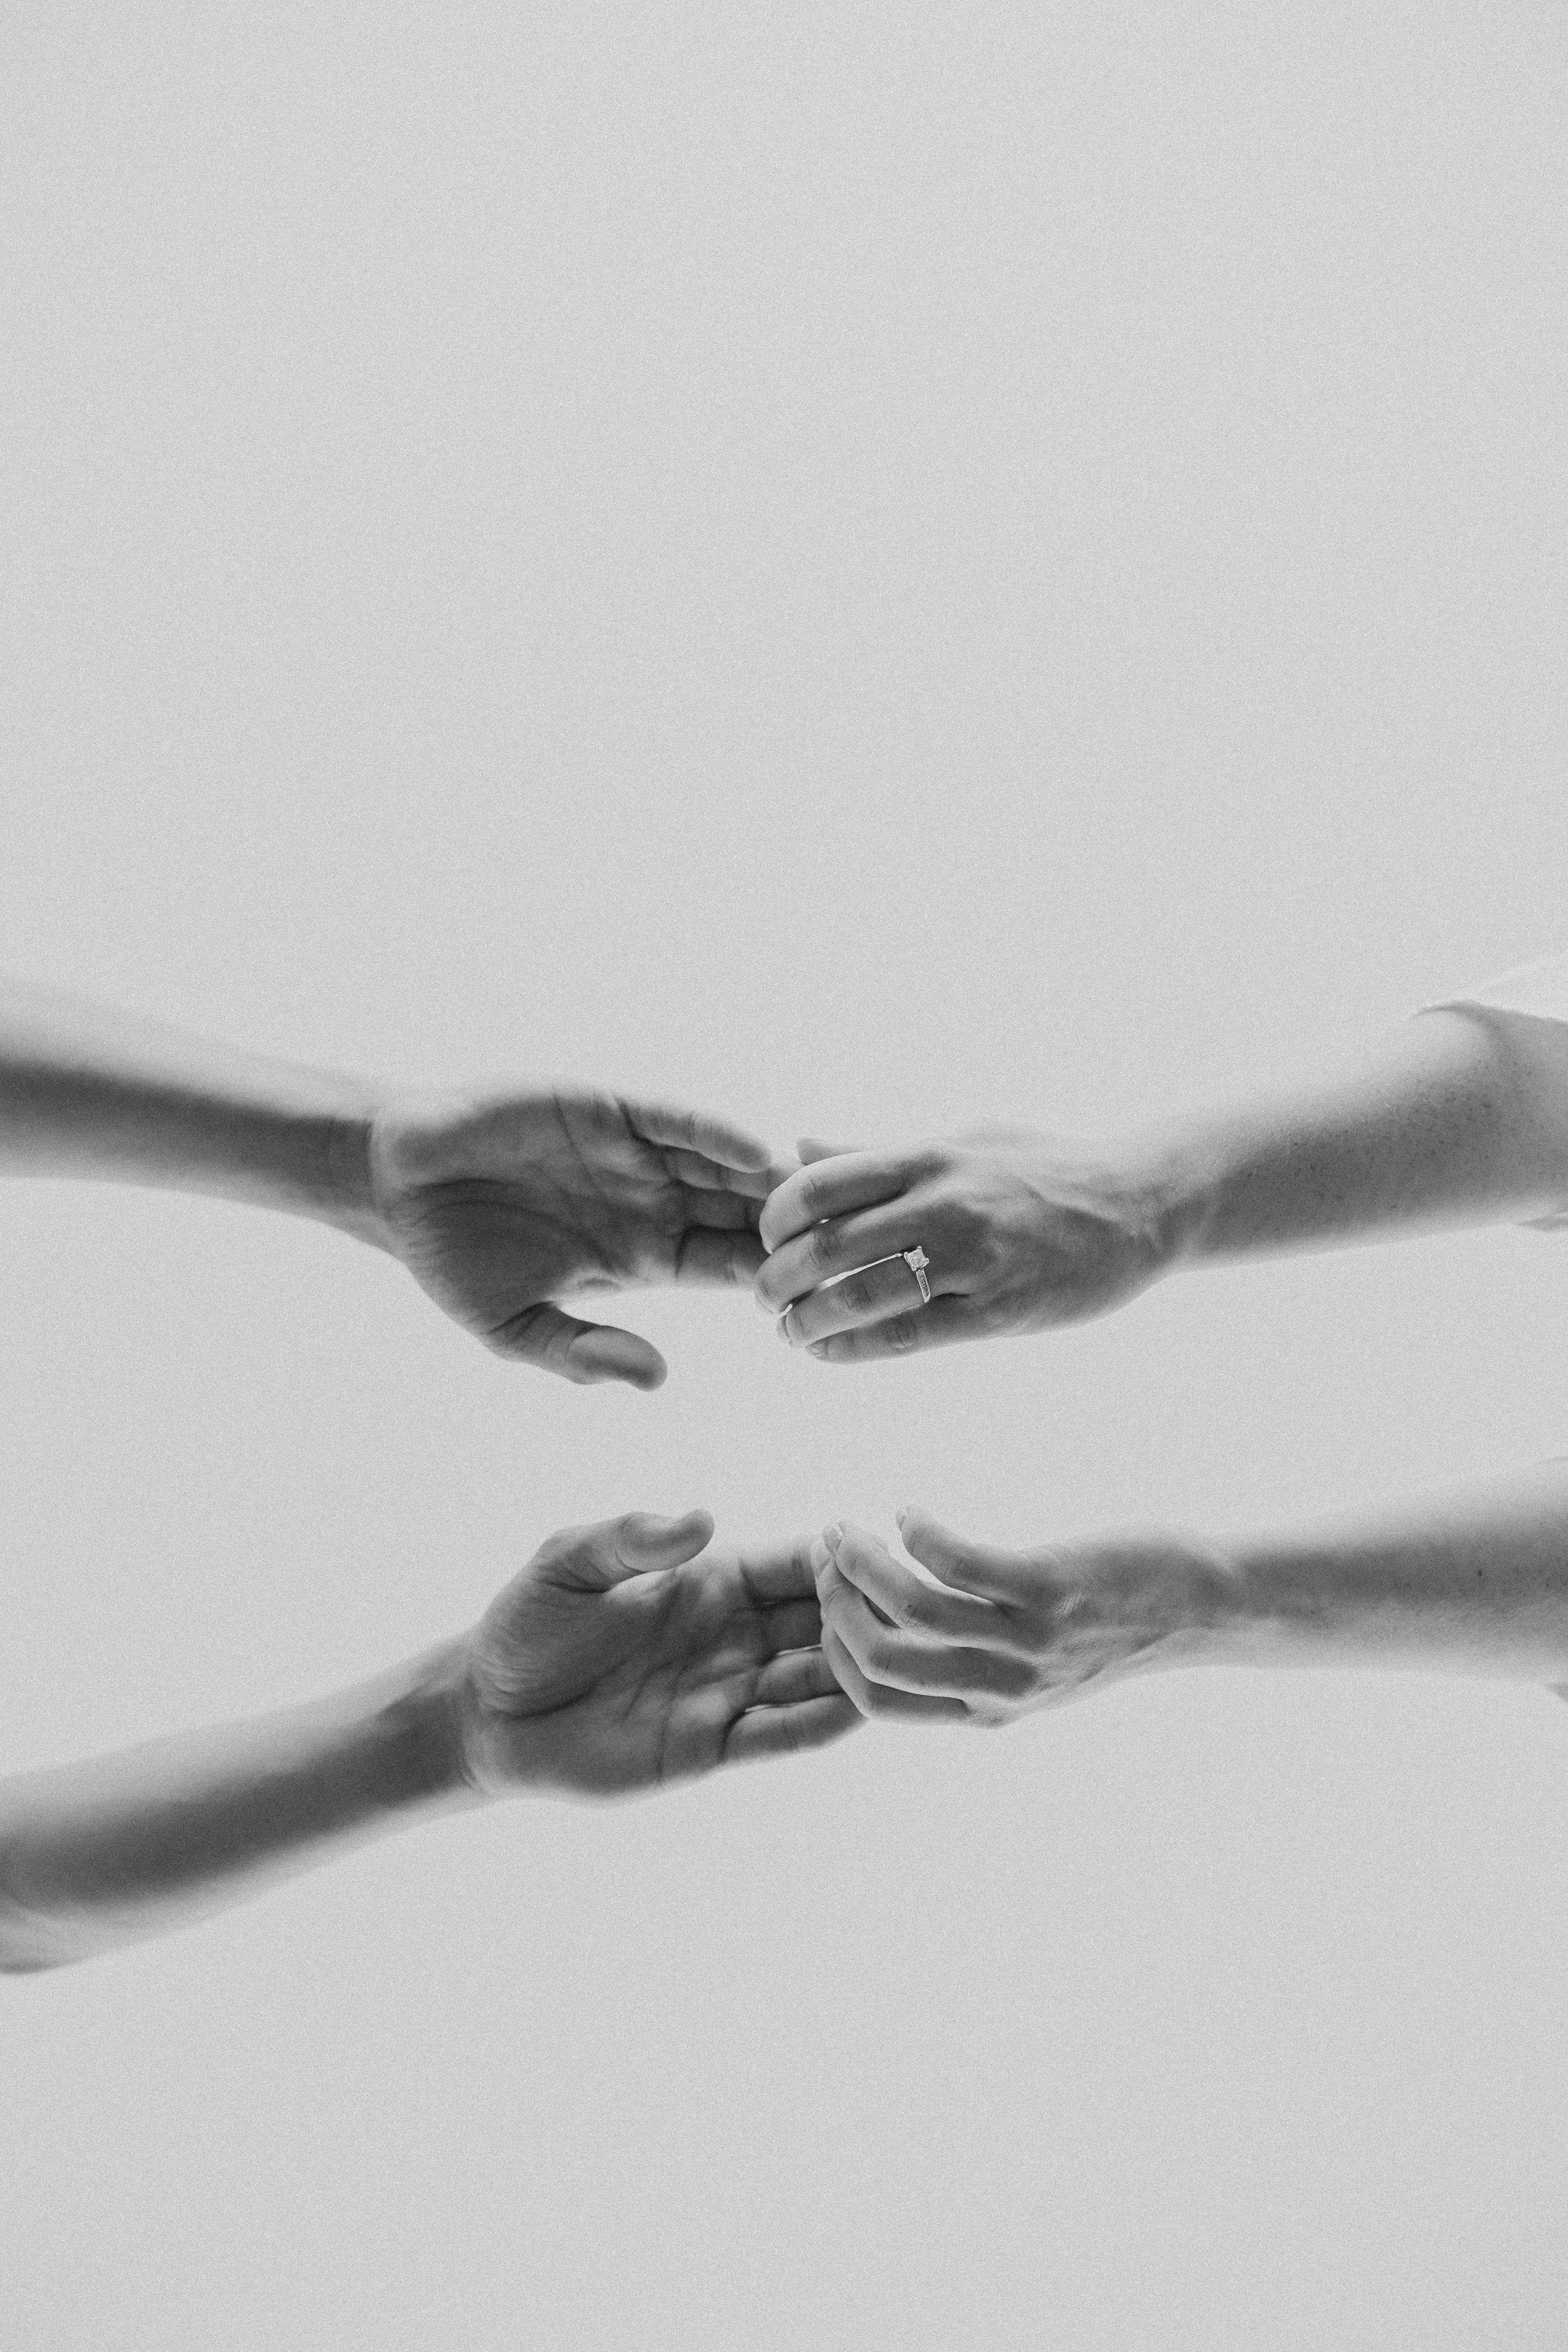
{"x": 1022, "y": 1233}
{"x": 869, "y": 1290}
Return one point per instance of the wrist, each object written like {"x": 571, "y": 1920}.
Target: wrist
{"x": 1216, "y": 1606}
{"x": 428, "y": 1720}
{"x": 1168, "y": 1183}
{"x": 1292, "y": 1607}
{"x": 347, "y": 1192}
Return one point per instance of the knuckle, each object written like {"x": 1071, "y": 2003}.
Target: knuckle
{"x": 856, "y": 1293}
{"x": 966, "y": 1226}
{"x": 825, "y": 1248}
{"x": 901, "y": 1333}
{"x": 877, "y": 1654}
{"x": 1016, "y": 1678}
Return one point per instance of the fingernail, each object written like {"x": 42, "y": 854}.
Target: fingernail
{"x": 833, "y": 1537}
{"x": 782, "y": 1327}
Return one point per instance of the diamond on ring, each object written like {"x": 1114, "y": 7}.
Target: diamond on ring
{"x": 917, "y": 1261}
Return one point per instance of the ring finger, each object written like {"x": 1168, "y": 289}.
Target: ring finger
{"x": 837, "y": 1246}
{"x": 868, "y": 1295}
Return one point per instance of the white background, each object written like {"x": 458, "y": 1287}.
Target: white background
{"x": 878, "y": 569}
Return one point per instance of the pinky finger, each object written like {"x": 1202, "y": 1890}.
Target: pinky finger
{"x": 936, "y": 1326}
{"x": 789, "y": 1731}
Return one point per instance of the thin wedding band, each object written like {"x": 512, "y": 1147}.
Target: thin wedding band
{"x": 915, "y": 1259}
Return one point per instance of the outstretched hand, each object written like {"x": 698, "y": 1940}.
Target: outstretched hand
{"x": 1020, "y": 1232}
{"x": 635, "y": 1652}
{"x": 500, "y": 1204}
{"x": 989, "y": 1634}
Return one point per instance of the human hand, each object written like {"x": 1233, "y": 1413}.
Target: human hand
{"x": 1001, "y": 1633}
{"x": 500, "y": 1204}
{"x": 1020, "y": 1232}
{"x": 635, "y": 1652}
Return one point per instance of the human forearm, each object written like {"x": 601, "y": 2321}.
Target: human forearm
{"x": 1471, "y": 1583}
{"x": 1474, "y": 1582}
{"x": 1461, "y": 1118}
{"x": 125, "y": 1847}
{"x": 89, "y": 1092}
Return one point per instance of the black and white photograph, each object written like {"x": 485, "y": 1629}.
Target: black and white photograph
{"x": 784, "y": 1178}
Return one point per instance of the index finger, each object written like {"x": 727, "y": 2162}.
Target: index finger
{"x": 856, "y": 1180}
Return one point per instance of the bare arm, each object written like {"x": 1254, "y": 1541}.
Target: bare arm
{"x": 122, "y": 1847}
{"x": 622, "y": 1656}
{"x": 1469, "y": 1582}
{"x": 1460, "y": 1118}
{"x": 1472, "y": 1582}
{"x": 499, "y": 1199}
{"x": 89, "y": 1092}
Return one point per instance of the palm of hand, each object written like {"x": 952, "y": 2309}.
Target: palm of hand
{"x": 604, "y": 1686}
{"x": 498, "y": 1207}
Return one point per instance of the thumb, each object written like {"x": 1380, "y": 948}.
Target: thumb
{"x": 645, "y": 1540}
{"x": 583, "y": 1352}
{"x": 812, "y": 1147}
{"x": 610, "y": 1552}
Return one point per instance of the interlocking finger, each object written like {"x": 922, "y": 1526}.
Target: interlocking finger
{"x": 879, "y": 1698}
{"x": 787, "y": 1731}
{"x": 707, "y": 1255}
{"x": 870, "y": 1295}
{"x": 909, "y": 1600}
{"x": 792, "y": 1625}
{"x": 837, "y": 1246}
{"x": 781, "y": 1572}
{"x": 725, "y": 1211}
{"x": 830, "y": 1187}
{"x": 795, "y": 1674}
{"x": 889, "y": 1661}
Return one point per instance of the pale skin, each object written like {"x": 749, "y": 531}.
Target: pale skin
{"x": 1460, "y": 1117}
{"x": 625, "y": 1657}
{"x": 1474, "y": 1582}
{"x": 500, "y": 1198}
